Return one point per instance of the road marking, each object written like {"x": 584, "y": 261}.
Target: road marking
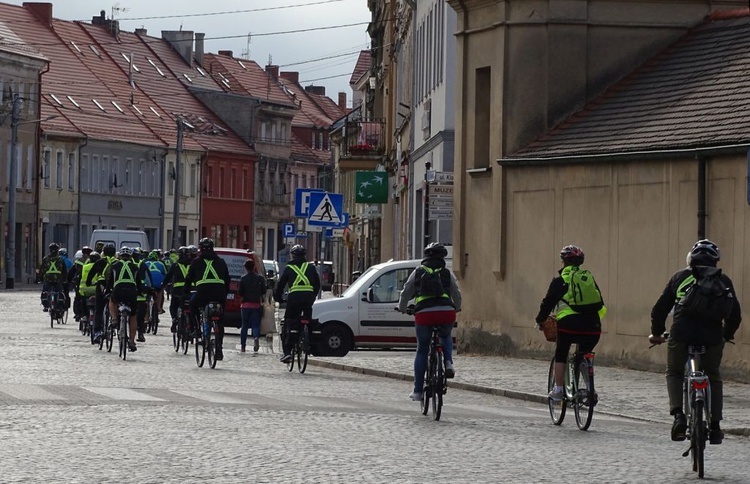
{"x": 211, "y": 397}
{"x": 123, "y": 394}
{"x": 29, "y": 392}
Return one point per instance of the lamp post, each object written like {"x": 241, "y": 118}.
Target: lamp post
{"x": 181, "y": 124}
{"x": 10, "y": 247}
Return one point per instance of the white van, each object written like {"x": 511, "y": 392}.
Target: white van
{"x": 364, "y": 315}
{"x": 120, "y": 238}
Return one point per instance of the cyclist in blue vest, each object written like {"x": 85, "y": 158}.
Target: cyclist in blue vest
{"x": 435, "y": 307}
{"x": 581, "y": 325}
{"x": 158, "y": 272}
{"x": 209, "y": 276}
{"x": 688, "y": 329}
{"x": 304, "y": 286}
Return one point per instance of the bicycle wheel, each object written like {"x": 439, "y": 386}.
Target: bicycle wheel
{"x": 698, "y": 437}
{"x": 211, "y": 346}
{"x": 186, "y": 338}
{"x": 584, "y": 398}
{"x": 200, "y": 349}
{"x": 556, "y": 409}
{"x": 154, "y": 318}
{"x": 438, "y": 386}
{"x": 427, "y": 391}
{"x": 109, "y": 331}
{"x": 176, "y": 340}
{"x": 294, "y": 352}
{"x": 304, "y": 349}
{"x": 64, "y": 317}
{"x": 122, "y": 339}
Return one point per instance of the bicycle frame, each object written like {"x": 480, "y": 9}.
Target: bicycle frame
{"x": 697, "y": 387}
{"x": 435, "y": 385}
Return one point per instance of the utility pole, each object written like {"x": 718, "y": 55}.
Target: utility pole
{"x": 176, "y": 211}
{"x": 10, "y": 247}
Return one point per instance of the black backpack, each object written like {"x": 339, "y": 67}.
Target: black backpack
{"x": 255, "y": 288}
{"x": 431, "y": 282}
{"x": 708, "y": 297}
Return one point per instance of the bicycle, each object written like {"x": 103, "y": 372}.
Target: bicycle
{"x": 301, "y": 348}
{"x": 205, "y": 341}
{"x": 579, "y": 390}
{"x": 122, "y": 333}
{"x": 153, "y": 312}
{"x": 696, "y": 402}
{"x": 182, "y": 336}
{"x": 57, "y": 310}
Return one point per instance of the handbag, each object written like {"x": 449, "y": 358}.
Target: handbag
{"x": 549, "y": 328}
{"x": 268, "y": 320}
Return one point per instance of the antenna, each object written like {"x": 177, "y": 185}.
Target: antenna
{"x": 270, "y": 60}
{"x": 246, "y": 51}
{"x": 116, "y": 9}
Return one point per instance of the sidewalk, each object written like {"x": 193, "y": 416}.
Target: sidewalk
{"x": 627, "y": 393}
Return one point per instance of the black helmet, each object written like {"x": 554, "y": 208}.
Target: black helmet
{"x": 206, "y": 244}
{"x": 298, "y": 251}
{"x": 435, "y": 249}
{"x": 109, "y": 249}
{"x": 572, "y": 255}
{"x": 53, "y": 248}
{"x": 183, "y": 252}
{"x": 94, "y": 256}
{"x": 704, "y": 253}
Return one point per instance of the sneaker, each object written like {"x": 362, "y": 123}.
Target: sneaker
{"x": 256, "y": 345}
{"x": 449, "y": 371}
{"x": 141, "y": 338}
{"x": 285, "y": 358}
{"x": 557, "y": 394}
{"x": 219, "y": 355}
{"x": 98, "y": 338}
{"x": 679, "y": 427}
{"x": 242, "y": 350}
{"x": 715, "y": 435}
{"x": 132, "y": 348}
{"x": 416, "y": 396}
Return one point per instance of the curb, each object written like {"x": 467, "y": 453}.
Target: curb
{"x": 501, "y": 392}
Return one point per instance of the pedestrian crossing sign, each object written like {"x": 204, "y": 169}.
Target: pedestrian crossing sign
{"x": 326, "y": 209}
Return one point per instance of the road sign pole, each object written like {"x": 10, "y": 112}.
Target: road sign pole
{"x": 426, "y": 206}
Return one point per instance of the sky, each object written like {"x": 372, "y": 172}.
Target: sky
{"x": 265, "y": 20}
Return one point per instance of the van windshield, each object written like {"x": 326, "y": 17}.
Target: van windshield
{"x": 357, "y": 285}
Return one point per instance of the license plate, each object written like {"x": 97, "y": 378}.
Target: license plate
{"x": 230, "y": 296}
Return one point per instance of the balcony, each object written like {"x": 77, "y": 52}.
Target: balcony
{"x": 362, "y": 144}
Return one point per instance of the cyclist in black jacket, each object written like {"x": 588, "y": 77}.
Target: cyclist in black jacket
{"x": 688, "y": 330}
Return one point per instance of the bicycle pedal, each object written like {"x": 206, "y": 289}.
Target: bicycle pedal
{"x": 686, "y": 453}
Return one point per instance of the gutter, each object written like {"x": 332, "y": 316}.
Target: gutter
{"x": 733, "y": 149}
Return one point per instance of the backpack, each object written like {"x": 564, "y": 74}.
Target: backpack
{"x": 255, "y": 288}
{"x": 706, "y": 296}
{"x": 431, "y": 282}
{"x": 583, "y": 296}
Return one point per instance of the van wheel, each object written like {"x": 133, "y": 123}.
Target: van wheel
{"x": 335, "y": 340}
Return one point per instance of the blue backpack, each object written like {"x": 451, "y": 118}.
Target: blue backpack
{"x": 158, "y": 273}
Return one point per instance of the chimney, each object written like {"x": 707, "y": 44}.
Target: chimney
{"x": 141, "y": 31}
{"x": 42, "y": 11}
{"x": 319, "y": 90}
{"x": 290, "y": 76}
{"x": 182, "y": 42}
{"x": 273, "y": 71}
{"x": 199, "y": 47}
{"x": 342, "y": 100}
{"x": 112, "y": 25}
{"x": 226, "y": 53}
{"x": 100, "y": 20}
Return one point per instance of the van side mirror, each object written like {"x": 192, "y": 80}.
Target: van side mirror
{"x": 368, "y": 295}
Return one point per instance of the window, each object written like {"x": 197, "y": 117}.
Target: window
{"x": 142, "y": 177}
{"x": 387, "y": 288}
{"x": 71, "y": 171}
{"x": 282, "y": 134}
{"x": 116, "y": 178}
{"x": 221, "y": 183}
{"x": 85, "y": 182}
{"x": 232, "y": 183}
{"x": 263, "y": 131}
{"x": 29, "y": 167}
{"x": 273, "y": 131}
{"x": 154, "y": 179}
{"x": 261, "y": 191}
{"x": 46, "y": 168}
{"x": 104, "y": 181}
{"x": 170, "y": 185}
{"x": 59, "y": 171}
{"x": 193, "y": 178}
{"x": 482, "y": 104}
{"x": 95, "y": 175}
{"x": 312, "y": 144}
{"x": 17, "y": 159}
{"x": 320, "y": 140}
{"x": 129, "y": 176}
{"x": 244, "y": 191}
{"x": 209, "y": 180}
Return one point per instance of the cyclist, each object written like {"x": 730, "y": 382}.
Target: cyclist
{"x": 158, "y": 272}
{"x": 304, "y": 285}
{"x": 581, "y": 325}
{"x": 176, "y": 277}
{"x": 124, "y": 283}
{"x": 74, "y": 277}
{"x": 210, "y": 276}
{"x": 437, "y": 299}
{"x": 53, "y": 272}
{"x": 97, "y": 278}
{"x": 689, "y": 330}
{"x": 84, "y": 290}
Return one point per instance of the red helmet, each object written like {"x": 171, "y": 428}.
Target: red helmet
{"x": 572, "y": 254}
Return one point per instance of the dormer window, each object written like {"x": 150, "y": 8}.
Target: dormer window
{"x": 117, "y": 107}
{"x": 94, "y": 50}
{"x": 98, "y": 105}
{"x": 56, "y": 100}
{"x": 70, "y": 98}
{"x": 156, "y": 67}
{"x": 76, "y": 47}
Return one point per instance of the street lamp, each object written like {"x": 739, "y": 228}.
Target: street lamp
{"x": 10, "y": 248}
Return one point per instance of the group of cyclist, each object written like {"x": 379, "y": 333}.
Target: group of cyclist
{"x": 573, "y": 297}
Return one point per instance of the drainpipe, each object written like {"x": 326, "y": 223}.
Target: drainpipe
{"x": 81, "y": 146}
{"x": 702, "y": 161}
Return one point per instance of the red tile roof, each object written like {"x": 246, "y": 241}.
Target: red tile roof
{"x": 245, "y": 77}
{"x": 302, "y": 152}
{"x": 695, "y": 93}
{"x": 362, "y": 67}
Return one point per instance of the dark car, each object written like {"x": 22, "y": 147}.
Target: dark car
{"x": 235, "y": 259}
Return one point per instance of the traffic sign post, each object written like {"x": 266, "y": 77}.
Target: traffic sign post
{"x": 326, "y": 209}
{"x": 302, "y": 200}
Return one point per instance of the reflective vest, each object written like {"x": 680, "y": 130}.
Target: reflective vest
{"x": 83, "y": 288}
{"x": 209, "y": 275}
{"x": 301, "y": 282}
{"x": 125, "y": 276}
{"x": 683, "y": 287}
{"x": 183, "y": 270}
{"x": 52, "y": 269}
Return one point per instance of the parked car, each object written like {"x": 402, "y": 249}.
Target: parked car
{"x": 272, "y": 273}
{"x": 364, "y": 316}
{"x": 327, "y": 277}
{"x": 235, "y": 259}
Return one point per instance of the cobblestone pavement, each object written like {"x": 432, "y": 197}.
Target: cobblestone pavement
{"x": 71, "y": 413}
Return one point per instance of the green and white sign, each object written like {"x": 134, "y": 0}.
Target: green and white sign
{"x": 371, "y": 187}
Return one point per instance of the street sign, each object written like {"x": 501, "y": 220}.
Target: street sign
{"x": 440, "y": 213}
{"x": 326, "y": 209}
{"x": 302, "y": 200}
{"x": 312, "y": 228}
{"x": 439, "y": 177}
{"x": 441, "y": 190}
{"x": 441, "y": 202}
{"x": 344, "y": 220}
{"x": 288, "y": 230}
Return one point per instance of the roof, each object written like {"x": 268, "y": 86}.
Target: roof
{"x": 695, "y": 93}
{"x": 302, "y": 152}
{"x": 243, "y": 76}
{"x": 12, "y": 43}
{"x": 362, "y": 66}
